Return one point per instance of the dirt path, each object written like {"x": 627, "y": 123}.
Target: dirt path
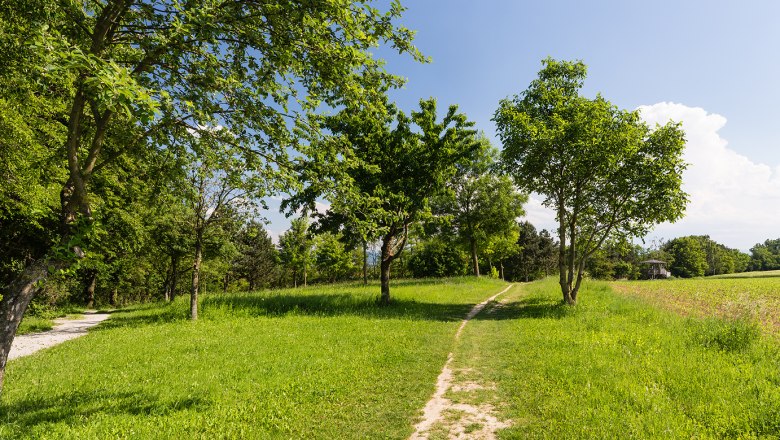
{"x": 437, "y": 409}
{"x": 64, "y": 329}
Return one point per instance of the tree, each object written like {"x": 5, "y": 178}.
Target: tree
{"x": 601, "y": 169}
{"x": 381, "y": 167}
{"x": 295, "y": 249}
{"x": 258, "y": 257}
{"x": 482, "y": 206}
{"x": 437, "y": 258}
{"x": 536, "y": 255}
{"x": 333, "y": 260}
{"x": 766, "y": 255}
{"x": 688, "y": 258}
{"x": 132, "y": 76}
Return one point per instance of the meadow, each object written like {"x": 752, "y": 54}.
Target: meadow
{"x": 750, "y": 297}
{"x": 327, "y": 362}
{"x": 615, "y": 367}
{"x": 319, "y": 362}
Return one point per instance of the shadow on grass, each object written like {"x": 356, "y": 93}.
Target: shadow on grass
{"x": 330, "y": 305}
{"x": 76, "y": 407}
{"x": 527, "y": 308}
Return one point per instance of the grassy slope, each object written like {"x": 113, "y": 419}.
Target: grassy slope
{"x": 617, "y": 368}
{"x": 307, "y": 363}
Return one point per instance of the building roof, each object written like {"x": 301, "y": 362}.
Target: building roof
{"x": 652, "y": 262}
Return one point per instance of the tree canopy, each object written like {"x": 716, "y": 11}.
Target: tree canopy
{"x": 601, "y": 169}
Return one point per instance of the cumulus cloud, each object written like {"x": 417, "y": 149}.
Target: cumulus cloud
{"x": 733, "y": 199}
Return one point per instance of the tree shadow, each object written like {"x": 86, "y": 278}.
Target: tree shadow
{"x": 527, "y": 308}
{"x": 345, "y": 304}
{"x": 77, "y": 406}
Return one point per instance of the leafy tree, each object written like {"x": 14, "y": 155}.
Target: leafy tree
{"x": 258, "y": 258}
{"x": 618, "y": 258}
{"x": 765, "y": 256}
{"x": 536, "y": 256}
{"x": 129, "y": 76}
{"x": 688, "y": 257}
{"x": 333, "y": 260}
{"x": 601, "y": 169}
{"x": 381, "y": 167}
{"x": 482, "y": 206}
{"x": 296, "y": 249}
{"x": 437, "y": 258}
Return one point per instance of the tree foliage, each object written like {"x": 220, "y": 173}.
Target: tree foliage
{"x": 601, "y": 169}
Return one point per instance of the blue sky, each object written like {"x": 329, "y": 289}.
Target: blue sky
{"x": 714, "y": 64}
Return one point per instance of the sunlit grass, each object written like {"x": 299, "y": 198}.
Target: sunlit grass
{"x": 615, "y": 367}
{"x": 320, "y": 362}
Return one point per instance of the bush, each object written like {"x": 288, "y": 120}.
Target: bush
{"x": 438, "y": 259}
{"x": 725, "y": 335}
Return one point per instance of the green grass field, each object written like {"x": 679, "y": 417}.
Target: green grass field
{"x": 307, "y": 363}
{"x": 326, "y": 362}
{"x": 613, "y": 367}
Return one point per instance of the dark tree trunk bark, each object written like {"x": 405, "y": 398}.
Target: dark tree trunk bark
{"x": 174, "y": 275}
{"x": 89, "y": 290}
{"x": 196, "y": 276}
{"x": 474, "y": 258}
{"x": 13, "y": 305}
{"x": 384, "y": 299}
{"x": 562, "y": 256}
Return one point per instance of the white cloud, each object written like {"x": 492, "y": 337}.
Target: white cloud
{"x": 732, "y": 199}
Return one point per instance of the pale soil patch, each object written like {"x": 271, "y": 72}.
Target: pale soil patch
{"x": 458, "y": 420}
{"x": 64, "y": 330}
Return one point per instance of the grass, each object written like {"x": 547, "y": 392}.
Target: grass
{"x": 759, "y": 274}
{"x": 320, "y": 362}
{"x": 42, "y": 319}
{"x": 751, "y": 299}
{"x": 615, "y": 367}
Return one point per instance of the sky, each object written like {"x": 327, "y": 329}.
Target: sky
{"x": 712, "y": 65}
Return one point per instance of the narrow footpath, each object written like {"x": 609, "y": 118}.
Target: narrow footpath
{"x": 435, "y": 409}
{"x": 64, "y": 330}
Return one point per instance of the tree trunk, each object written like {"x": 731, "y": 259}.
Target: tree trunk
{"x": 474, "y": 258}
{"x": 365, "y": 262}
{"x": 89, "y": 290}
{"x": 15, "y": 300}
{"x": 562, "y": 255}
{"x": 304, "y": 276}
{"x": 384, "y": 299}
{"x": 501, "y": 265}
{"x": 196, "y": 276}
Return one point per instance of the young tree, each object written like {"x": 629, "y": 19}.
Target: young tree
{"x": 381, "y": 167}
{"x": 295, "y": 249}
{"x": 333, "y": 260}
{"x": 136, "y": 73}
{"x": 600, "y": 168}
{"x": 258, "y": 258}
{"x": 482, "y": 206}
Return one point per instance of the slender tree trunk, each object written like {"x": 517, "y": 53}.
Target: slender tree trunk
{"x": 562, "y": 255}
{"x": 15, "y": 300}
{"x": 474, "y": 258}
{"x": 196, "y": 276}
{"x": 89, "y": 290}
{"x": 576, "y": 289}
{"x": 225, "y": 282}
{"x": 365, "y": 262}
{"x": 501, "y": 265}
{"x": 295, "y": 279}
{"x": 305, "y": 275}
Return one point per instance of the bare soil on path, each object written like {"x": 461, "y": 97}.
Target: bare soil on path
{"x": 64, "y": 330}
{"x": 439, "y": 411}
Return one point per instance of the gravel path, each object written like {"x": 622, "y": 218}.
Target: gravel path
{"x": 64, "y": 329}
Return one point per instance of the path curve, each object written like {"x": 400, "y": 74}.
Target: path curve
{"x": 64, "y": 330}
{"x": 432, "y": 412}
